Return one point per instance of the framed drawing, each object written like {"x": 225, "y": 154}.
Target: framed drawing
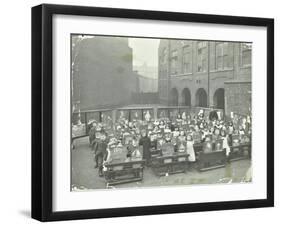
{"x": 112, "y": 87}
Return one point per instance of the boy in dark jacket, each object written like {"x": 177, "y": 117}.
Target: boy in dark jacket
{"x": 100, "y": 152}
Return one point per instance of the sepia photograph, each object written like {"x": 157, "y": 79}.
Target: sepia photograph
{"x": 141, "y": 112}
{"x": 154, "y": 112}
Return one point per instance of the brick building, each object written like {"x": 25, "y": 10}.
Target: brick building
{"x": 206, "y": 74}
{"x": 102, "y": 72}
{"x": 148, "y": 78}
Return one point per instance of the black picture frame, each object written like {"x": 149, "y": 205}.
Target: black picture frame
{"x": 42, "y": 107}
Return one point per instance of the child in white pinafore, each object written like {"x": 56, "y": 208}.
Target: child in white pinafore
{"x": 225, "y": 142}
{"x": 190, "y": 149}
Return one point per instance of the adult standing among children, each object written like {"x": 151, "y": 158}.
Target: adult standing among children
{"x": 146, "y": 144}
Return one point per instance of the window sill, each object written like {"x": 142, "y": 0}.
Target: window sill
{"x": 201, "y": 72}
{"x": 184, "y": 74}
{"x": 221, "y": 70}
{"x": 246, "y": 66}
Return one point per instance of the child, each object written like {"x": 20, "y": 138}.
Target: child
{"x": 183, "y": 116}
{"x": 241, "y": 130}
{"x": 205, "y": 133}
{"x": 190, "y": 149}
{"x": 225, "y": 141}
{"x": 153, "y": 141}
{"x": 147, "y": 116}
{"x": 110, "y": 147}
{"x": 178, "y": 120}
{"x": 162, "y": 125}
{"x": 176, "y": 132}
{"x": 216, "y": 135}
{"x": 100, "y": 153}
{"x": 92, "y": 133}
{"x": 182, "y": 137}
{"x": 207, "y": 147}
{"x": 201, "y": 115}
{"x": 136, "y": 154}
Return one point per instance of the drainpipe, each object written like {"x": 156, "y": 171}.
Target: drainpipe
{"x": 168, "y": 72}
{"x": 208, "y": 71}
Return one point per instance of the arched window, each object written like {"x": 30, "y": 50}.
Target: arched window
{"x": 186, "y": 97}
{"x": 219, "y": 98}
{"x": 201, "y": 98}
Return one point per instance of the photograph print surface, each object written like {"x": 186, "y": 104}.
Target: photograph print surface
{"x": 152, "y": 112}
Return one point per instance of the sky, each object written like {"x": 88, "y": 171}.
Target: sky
{"x": 144, "y": 51}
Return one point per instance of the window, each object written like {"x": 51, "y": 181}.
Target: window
{"x": 187, "y": 59}
{"x": 222, "y": 59}
{"x": 162, "y": 71}
{"x": 226, "y": 58}
{"x": 174, "y": 59}
{"x": 219, "y": 56}
{"x": 246, "y": 54}
{"x": 201, "y": 56}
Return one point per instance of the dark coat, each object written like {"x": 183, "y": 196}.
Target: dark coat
{"x": 213, "y": 115}
{"x": 92, "y": 135}
{"x": 145, "y": 143}
{"x": 100, "y": 147}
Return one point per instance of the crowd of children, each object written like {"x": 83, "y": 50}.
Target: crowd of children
{"x": 138, "y": 138}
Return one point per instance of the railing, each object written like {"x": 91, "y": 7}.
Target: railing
{"x": 81, "y": 120}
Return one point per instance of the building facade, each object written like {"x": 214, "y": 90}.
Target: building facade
{"x": 148, "y": 78}
{"x": 102, "y": 72}
{"x": 205, "y": 73}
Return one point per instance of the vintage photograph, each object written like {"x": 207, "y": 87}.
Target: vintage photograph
{"x": 153, "y": 112}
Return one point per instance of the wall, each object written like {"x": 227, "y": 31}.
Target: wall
{"x": 100, "y": 63}
{"x": 148, "y": 77}
{"x": 147, "y": 84}
{"x": 145, "y": 98}
{"x": 16, "y": 106}
{"x": 238, "y": 97}
{"x": 173, "y": 76}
